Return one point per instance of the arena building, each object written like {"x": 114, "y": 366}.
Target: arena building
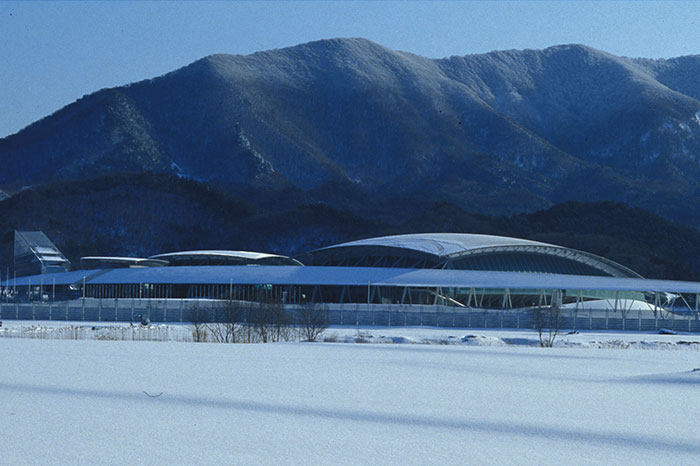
{"x": 461, "y": 272}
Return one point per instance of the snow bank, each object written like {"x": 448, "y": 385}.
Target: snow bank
{"x": 377, "y": 335}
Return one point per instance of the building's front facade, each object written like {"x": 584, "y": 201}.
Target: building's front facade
{"x": 449, "y": 270}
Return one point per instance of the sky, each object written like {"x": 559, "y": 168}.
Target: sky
{"x": 52, "y": 53}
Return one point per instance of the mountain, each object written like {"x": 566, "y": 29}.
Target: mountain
{"x": 359, "y": 126}
{"x": 142, "y": 215}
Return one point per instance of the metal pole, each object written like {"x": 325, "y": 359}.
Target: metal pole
{"x": 53, "y": 290}
{"x": 639, "y": 321}
{"x": 607, "y": 307}
{"x": 656, "y": 304}
{"x": 673, "y": 319}
{"x": 83, "y": 299}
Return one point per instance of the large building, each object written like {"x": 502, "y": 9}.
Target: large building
{"x": 451, "y": 271}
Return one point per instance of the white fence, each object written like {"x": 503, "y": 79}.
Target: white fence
{"x": 178, "y": 310}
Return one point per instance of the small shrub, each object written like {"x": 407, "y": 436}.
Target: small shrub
{"x": 361, "y": 337}
{"x": 332, "y": 338}
{"x": 314, "y": 321}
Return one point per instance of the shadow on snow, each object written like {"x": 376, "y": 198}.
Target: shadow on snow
{"x": 510, "y": 428}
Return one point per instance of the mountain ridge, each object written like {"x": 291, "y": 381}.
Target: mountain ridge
{"x": 500, "y": 133}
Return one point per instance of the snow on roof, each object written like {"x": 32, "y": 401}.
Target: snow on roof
{"x": 234, "y": 254}
{"x": 113, "y": 258}
{"x": 359, "y": 276}
{"x": 51, "y": 258}
{"x": 122, "y": 260}
{"x": 441, "y": 244}
{"x": 597, "y": 304}
{"x": 44, "y": 250}
{"x": 61, "y": 278}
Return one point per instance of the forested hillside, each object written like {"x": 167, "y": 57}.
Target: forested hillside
{"x": 142, "y": 215}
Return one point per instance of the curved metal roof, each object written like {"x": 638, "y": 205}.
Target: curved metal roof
{"x": 233, "y": 254}
{"x": 109, "y": 262}
{"x": 232, "y": 257}
{"x": 447, "y": 247}
{"x": 441, "y": 244}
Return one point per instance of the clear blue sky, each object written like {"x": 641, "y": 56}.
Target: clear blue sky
{"x": 53, "y": 53}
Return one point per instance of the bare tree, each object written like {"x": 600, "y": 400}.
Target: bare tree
{"x": 228, "y": 326}
{"x": 198, "y": 318}
{"x": 314, "y": 320}
{"x": 548, "y": 320}
{"x": 269, "y": 321}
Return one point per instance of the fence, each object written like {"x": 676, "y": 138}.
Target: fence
{"x": 176, "y": 310}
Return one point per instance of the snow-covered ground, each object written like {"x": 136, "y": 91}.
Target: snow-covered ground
{"x": 120, "y": 331}
{"x": 88, "y": 401}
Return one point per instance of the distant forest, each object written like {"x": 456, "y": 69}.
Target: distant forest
{"x": 146, "y": 214}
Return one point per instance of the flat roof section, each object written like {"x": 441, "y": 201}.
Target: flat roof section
{"x": 358, "y": 276}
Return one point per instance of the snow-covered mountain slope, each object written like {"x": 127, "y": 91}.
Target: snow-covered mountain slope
{"x": 500, "y": 132}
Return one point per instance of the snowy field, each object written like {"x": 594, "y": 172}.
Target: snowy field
{"x": 120, "y": 331}
{"x": 87, "y": 401}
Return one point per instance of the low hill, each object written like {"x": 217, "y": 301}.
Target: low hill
{"x": 146, "y": 214}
